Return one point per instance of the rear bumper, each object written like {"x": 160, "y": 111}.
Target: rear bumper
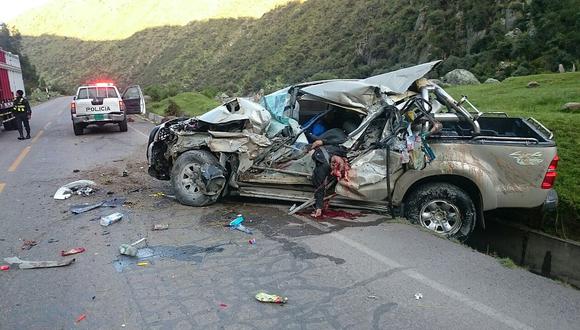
{"x": 551, "y": 202}
{"x": 98, "y": 118}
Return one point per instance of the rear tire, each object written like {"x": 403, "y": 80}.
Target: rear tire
{"x": 79, "y": 129}
{"x": 10, "y": 125}
{"x": 123, "y": 125}
{"x": 442, "y": 208}
{"x": 189, "y": 178}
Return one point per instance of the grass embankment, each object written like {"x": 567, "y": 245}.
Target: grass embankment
{"x": 543, "y": 103}
{"x": 190, "y": 104}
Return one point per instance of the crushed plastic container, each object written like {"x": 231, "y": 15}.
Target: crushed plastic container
{"x": 111, "y": 218}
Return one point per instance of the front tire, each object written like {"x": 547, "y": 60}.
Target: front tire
{"x": 442, "y": 208}
{"x": 197, "y": 178}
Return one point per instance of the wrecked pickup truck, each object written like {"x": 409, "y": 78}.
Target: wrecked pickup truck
{"x": 445, "y": 165}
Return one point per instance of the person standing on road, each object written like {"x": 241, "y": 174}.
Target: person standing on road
{"x": 22, "y": 114}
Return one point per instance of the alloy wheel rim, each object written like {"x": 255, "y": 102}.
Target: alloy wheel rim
{"x": 441, "y": 217}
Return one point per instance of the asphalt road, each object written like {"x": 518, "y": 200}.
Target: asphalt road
{"x": 199, "y": 274}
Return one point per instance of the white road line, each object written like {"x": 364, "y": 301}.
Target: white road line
{"x": 480, "y": 307}
{"x": 138, "y": 131}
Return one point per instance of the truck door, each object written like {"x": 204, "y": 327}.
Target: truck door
{"x": 133, "y": 99}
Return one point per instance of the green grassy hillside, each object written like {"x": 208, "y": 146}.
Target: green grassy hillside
{"x": 119, "y": 19}
{"x": 543, "y": 103}
{"x": 190, "y": 103}
{"x": 307, "y": 40}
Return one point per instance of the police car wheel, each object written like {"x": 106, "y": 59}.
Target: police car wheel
{"x": 79, "y": 129}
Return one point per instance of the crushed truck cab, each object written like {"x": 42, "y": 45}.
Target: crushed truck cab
{"x": 412, "y": 149}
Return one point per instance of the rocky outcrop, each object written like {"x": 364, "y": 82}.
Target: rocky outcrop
{"x": 492, "y": 81}
{"x": 460, "y": 77}
{"x": 571, "y": 107}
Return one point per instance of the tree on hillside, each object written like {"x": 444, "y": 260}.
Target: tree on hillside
{"x": 10, "y": 40}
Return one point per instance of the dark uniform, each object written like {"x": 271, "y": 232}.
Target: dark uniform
{"x": 21, "y": 113}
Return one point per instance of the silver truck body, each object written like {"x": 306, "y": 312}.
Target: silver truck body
{"x": 446, "y": 166}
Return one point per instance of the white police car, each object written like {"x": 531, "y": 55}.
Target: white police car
{"x": 101, "y": 104}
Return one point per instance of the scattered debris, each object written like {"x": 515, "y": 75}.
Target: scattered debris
{"x": 125, "y": 173}
{"x": 130, "y": 249}
{"x": 28, "y": 244}
{"x": 143, "y": 263}
{"x": 4, "y": 268}
{"x": 113, "y": 202}
{"x": 418, "y": 295}
{"x": 67, "y": 190}
{"x": 130, "y": 119}
{"x": 160, "y": 226}
{"x": 237, "y": 224}
{"x": 76, "y": 171}
{"x": 237, "y": 221}
{"x": 85, "y": 191}
{"x": 80, "y": 318}
{"x": 24, "y": 264}
{"x": 72, "y": 251}
{"x": 252, "y": 241}
{"x": 271, "y": 298}
{"x": 372, "y": 297}
{"x": 52, "y": 240}
{"x": 223, "y": 305}
{"x": 110, "y": 192}
{"x": 111, "y": 218}
{"x": 158, "y": 194}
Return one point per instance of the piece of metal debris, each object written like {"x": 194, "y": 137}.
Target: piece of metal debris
{"x": 418, "y": 295}
{"x": 24, "y": 264}
{"x": 67, "y": 190}
{"x": 28, "y": 244}
{"x": 271, "y": 298}
{"x": 113, "y": 202}
{"x": 160, "y": 226}
{"x": 72, "y": 251}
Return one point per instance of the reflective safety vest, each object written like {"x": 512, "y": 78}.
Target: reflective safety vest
{"x": 19, "y": 105}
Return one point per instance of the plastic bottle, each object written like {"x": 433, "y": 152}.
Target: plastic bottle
{"x": 111, "y": 218}
{"x": 237, "y": 221}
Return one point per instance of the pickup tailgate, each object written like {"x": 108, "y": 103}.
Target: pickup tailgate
{"x": 97, "y": 100}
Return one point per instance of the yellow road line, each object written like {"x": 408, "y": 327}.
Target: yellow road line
{"x": 2, "y": 185}
{"x": 19, "y": 159}
{"x": 37, "y": 136}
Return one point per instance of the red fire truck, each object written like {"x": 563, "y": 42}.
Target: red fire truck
{"x": 10, "y": 82}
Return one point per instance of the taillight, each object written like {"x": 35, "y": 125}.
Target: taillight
{"x": 551, "y": 174}
{"x": 122, "y": 106}
{"x": 73, "y": 108}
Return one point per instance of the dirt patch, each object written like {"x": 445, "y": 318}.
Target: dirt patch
{"x": 129, "y": 179}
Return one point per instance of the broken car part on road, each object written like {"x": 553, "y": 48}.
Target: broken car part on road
{"x": 23, "y": 264}
{"x": 412, "y": 149}
{"x": 84, "y": 187}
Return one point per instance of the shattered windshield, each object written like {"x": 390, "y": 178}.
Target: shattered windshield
{"x": 275, "y": 104}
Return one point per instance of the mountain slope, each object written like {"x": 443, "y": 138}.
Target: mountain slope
{"x": 119, "y": 19}
{"x": 324, "y": 39}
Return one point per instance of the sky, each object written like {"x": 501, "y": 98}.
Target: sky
{"x": 12, "y": 8}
